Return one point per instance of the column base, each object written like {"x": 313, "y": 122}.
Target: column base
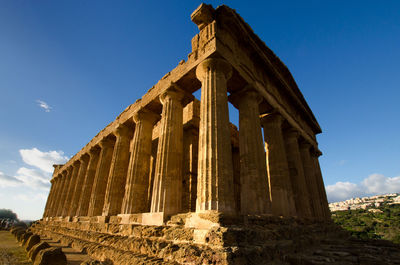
{"x": 99, "y": 219}
{"x": 153, "y": 218}
{"x": 134, "y": 218}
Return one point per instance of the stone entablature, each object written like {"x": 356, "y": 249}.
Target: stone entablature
{"x": 169, "y": 153}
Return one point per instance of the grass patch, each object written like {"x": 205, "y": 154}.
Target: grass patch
{"x": 11, "y": 253}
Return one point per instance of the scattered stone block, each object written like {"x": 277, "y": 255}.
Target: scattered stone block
{"x": 36, "y": 248}
{"x": 50, "y": 256}
{"x": 33, "y": 240}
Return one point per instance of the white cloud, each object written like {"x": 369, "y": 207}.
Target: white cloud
{"x": 33, "y": 178}
{"x": 30, "y": 197}
{"x": 43, "y": 160}
{"x": 9, "y": 181}
{"x": 43, "y": 105}
{"x": 374, "y": 184}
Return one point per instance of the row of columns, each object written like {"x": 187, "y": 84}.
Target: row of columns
{"x": 279, "y": 174}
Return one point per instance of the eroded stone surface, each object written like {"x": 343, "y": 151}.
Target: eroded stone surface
{"x": 170, "y": 180}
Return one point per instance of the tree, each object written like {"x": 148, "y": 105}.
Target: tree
{"x": 8, "y": 214}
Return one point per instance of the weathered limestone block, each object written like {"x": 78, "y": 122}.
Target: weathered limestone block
{"x": 36, "y": 248}
{"x": 33, "y": 240}
{"x": 215, "y": 171}
{"x": 25, "y": 238}
{"x": 118, "y": 170}
{"x": 50, "y": 256}
{"x": 136, "y": 191}
{"x": 19, "y": 234}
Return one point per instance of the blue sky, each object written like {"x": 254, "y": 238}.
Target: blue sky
{"x": 68, "y": 68}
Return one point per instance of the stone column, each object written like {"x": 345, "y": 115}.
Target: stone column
{"x": 309, "y": 172}
{"x": 77, "y": 192}
{"x": 281, "y": 193}
{"x": 296, "y": 170}
{"x": 54, "y": 194}
{"x": 215, "y": 171}
{"x": 100, "y": 180}
{"x": 88, "y": 182}
{"x": 321, "y": 187}
{"x": 66, "y": 176}
{"x": 167, "y": 187}
{"x": 49, "y": 198}
{"x": 190, "y": 153}
{"x": 255, "y": 197}
{"x": 71, "y": 188}
{"x": 115, "y": 190}
{"x": 137, "y": 184}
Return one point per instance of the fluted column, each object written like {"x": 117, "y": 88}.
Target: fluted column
{"x": 137, "y": 184}
{"x": 71, "y": 188}
{"x": 118, "y": 171}
{"x": 281, "y": 193}
{"x": 296, "y": 170}
{"x": 167, "y": 187}
{"x": 53, "y": 204}
{"x": 312, "y": 186}
{"x": 65, "y": 175}
{"x": 77, "y": 192}
{"x": 49, "y": 198}
{"x": 190, "y": 153}
{"x": 100, "y": 181}
{"x": 254, "y": 190}
{"x": 88, "y": 182}
{"x": 215, "y": 172}
{"x": 321, "y": 187}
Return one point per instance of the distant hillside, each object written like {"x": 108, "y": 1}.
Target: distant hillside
{"x": 376, "y": 217}
{"x": 365, "y": 202}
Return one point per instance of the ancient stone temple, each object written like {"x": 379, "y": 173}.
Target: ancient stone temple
{"x": 171, "y": 180}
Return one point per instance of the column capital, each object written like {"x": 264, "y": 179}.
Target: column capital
{"x": 271, "y": 119}
{"x": 145, "y": 115}
{"x": 84, "y": 158}
{"x": 122, "y": 130}
{"x": 315, "y": 152}
{"x": 95, "y": 150}
{"x": 106, "y": 142}
{"x": 216, "y": 64}
{"x": 305, "y": 145}
{"x": 292, "y": 134}
{"x": 177, "y": 93}
{"x": 245, "y": 94}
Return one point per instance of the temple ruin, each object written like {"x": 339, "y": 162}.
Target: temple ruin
{"x": 172, "y": 179}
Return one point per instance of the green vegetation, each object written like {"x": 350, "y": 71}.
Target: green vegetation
{"x": 10, "y": 251}
{"x": 8, "y": 214}
{"x": 375, "y": 222}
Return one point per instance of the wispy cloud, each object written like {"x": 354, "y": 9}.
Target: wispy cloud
{"x": 43, "y": 160}
{"x": 372, "y": 185}
{"x": 9, "y": 181}
{"x": 35, "y": 178}
{"x": 43, "y": 105}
